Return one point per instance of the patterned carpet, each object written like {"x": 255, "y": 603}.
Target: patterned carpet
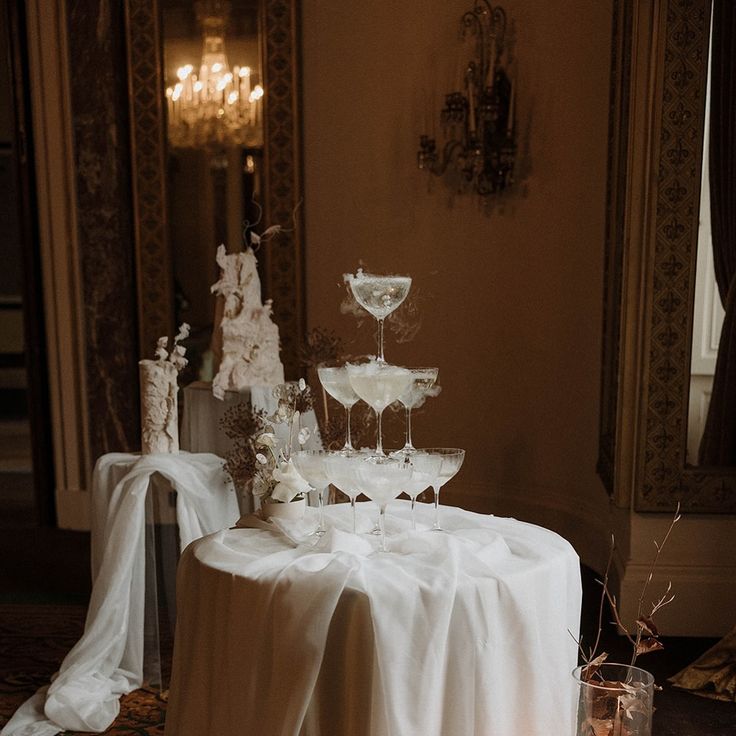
{"x": 33, "y": 641}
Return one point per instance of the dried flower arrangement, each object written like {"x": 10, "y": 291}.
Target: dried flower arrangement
{"x": 259, "y": 461}
{"x": 615, "y": 706}
{"x": 321, "y": 346}
{"x": 176, "y": 356}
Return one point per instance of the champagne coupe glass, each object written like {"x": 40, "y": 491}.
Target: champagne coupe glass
{"x": 379, "y": 295}
{"x": 425, "y": 470}
{"x": 379, "y": 385}
{"x": 311, "y": 465}
{"x": 341, "y": 472}
{"x": 422, "y": 380}
{"x": 382, "y": 480}
{"x": 452, "y": 460}
{"x": 335, "y": 381}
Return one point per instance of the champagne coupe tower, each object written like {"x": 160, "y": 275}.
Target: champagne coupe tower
{"x": 336, "y": 382}
{"x": 379, "y": 295}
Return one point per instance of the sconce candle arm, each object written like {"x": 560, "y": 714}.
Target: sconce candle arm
{"x": 437, "y": 165}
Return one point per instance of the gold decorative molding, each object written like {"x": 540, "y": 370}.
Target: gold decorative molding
{"x": 154, "y": 267}
{"x": 281, "y": 263}
{"x": 666, "y": 479}
{"x": 284, "y": 263}
{"x": 621, "y": 46}
{"x": 653, "y": 208}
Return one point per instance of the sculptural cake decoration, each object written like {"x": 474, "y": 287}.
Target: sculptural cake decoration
{"x": 250, "y": 337}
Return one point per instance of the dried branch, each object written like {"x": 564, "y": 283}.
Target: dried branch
{"x": 617, "y": 617}
{"x": 663, "y": 601}
{"x": 646, "y": 638}
{"x": 659, "y": 548}
{"x": 604, "y": 588}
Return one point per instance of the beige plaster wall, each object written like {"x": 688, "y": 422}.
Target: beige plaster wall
{"x": 511, "y": 302}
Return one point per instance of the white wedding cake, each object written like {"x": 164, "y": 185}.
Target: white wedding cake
{"x": 250, "y": 338}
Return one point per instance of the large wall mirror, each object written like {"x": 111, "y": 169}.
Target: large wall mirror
{"x": 214, "y": 153}
{"x": 215, "y": 129}
{"x": 669, "y": 378}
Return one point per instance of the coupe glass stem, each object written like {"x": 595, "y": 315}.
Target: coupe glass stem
{"x": 379, "y": 433}
{"x": 408, "y": 445}
{"x": 382, "y": 523}
{"x": 436, "y": 526}
{"x": 320, "y": 500}
{"x": 413, "y": 518}
{"x": 352, "y": 506}
{"x": 377, "y": 526}
{"x": 348, "y": 438}
{"x": 380, "y": 342}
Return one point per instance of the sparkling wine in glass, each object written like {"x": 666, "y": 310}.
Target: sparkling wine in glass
{"x": 425, "y": 471}
{"x": 422, "y": 381}
{"x": 379, "y": 295}
{"x": 379, "y": 385}
{"x": 341, "y": 470}
{"x": 311, "y": 465}
{"x": 452, "y": 459}
{"x": 335, "y": 381}
{"x": 382, "y": 479}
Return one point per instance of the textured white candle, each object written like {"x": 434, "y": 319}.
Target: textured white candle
{"x": 159, "y": 407}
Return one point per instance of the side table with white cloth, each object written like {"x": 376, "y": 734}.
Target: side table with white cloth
{"x": 464, "y": 632}
{"x": 108, "y": 661}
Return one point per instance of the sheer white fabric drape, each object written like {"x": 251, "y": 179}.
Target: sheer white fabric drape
{"x": 107, "y": 661}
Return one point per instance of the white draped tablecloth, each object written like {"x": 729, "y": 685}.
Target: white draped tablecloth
{"x": 465, "y": 632}
{"x": 107, "y": 661}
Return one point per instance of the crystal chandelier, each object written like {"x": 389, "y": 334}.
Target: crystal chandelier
{"x": 478, "y": 123}
{"x": 214, "y": 106}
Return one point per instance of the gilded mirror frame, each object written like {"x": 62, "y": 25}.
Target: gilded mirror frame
{"x": 659, "y": 68}
{"x": 282, "y": 261}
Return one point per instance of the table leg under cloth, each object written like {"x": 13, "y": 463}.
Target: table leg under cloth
{"x": 107, "y": 661}
{"x": 464, "y": 633}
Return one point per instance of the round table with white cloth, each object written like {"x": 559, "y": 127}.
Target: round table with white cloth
{"x": 465, "y": 632}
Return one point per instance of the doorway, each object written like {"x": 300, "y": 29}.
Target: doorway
{"x": 26, "y": 473}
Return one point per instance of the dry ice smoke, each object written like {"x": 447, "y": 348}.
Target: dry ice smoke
{"x": 404, "y": 323}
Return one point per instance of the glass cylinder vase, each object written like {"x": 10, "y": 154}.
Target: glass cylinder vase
{"x": 617, "y": 700}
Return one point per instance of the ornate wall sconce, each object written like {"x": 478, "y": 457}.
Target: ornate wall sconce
{"x": 478, "y": 123}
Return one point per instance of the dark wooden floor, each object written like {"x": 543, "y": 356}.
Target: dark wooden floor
{"x": 39, "y": 563}
{"x": 44, "y": 565}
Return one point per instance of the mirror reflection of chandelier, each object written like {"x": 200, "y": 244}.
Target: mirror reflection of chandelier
{"x": 216, "y": 105}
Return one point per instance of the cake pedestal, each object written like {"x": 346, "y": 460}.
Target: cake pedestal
{"x": 201, "y": 429}
{"x": 202, "y": 415}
